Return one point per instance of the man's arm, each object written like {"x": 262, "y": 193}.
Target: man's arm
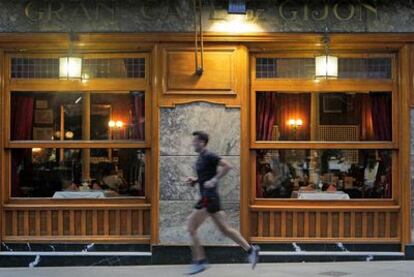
{"x": 191, "y": 181}
{"x": 224, "y": 168}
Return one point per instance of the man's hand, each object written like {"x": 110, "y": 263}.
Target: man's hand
{"x": 211, "y": 183}
{"x": 191, "y": 181}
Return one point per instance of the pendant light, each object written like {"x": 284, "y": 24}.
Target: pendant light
{"x": 70, "y": 67}
{"x": 326, "y": 66}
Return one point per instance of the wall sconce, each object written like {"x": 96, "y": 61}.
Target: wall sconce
{"x": 69, "y": 135}
{"x": 118, "y": 124}
{"x": 326, "y": 66}
{"x": 70, "y": 67}
{"x": 295, "y": 123}
{"x": 36, "y": 150}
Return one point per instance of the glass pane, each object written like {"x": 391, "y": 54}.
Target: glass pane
{"x": 331, "y": 174}
{"x": 341, "y": 117}
{"x": 118, "y": 116}
{"x": 77, "y": 173}
{"x": 285, "y": 68}
{"x": 40, "y": 68}
{"x": 372, "y": 68}
{"x": 348, "y": 68}
{"x": 45, "y": 116}
{"x": 31, "y": 68}
{"x": 60, "y": 116}
{"x": 113, "y": 68}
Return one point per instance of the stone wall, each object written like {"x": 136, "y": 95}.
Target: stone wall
{"x": 176, "y": 163}
{"x": 177, "y": 16}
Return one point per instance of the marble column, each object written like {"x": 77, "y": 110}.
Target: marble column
{"x": 176, "y": 163}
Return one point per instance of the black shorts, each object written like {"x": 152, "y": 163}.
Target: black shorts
{"x": 211, "y": 203}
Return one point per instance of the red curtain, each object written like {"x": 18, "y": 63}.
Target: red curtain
{"x": 381, "y": 115}
{"x": 294, "y": 106}
{"x": 363, "y": 110}
{"x": 375, "y": 111}
{"x": 138, "y": 116}
{"x": 265, "y": 115}
{"x": 22, "y": 108}
{"x": 21, "y": 117}
{"x": 265, "y": 119}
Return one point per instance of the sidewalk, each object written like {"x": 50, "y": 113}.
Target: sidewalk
{"x": 377, "y": 269}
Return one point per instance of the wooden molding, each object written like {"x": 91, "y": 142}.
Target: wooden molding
{"x": 218, "y": 78}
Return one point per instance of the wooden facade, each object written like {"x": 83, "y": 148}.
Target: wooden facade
{"x": 228, "y": 79}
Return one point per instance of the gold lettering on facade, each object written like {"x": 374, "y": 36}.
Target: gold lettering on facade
{"x": 369, "y": 8}
{"x": 288, "y": 10}
{"x": 321, "y": 16}
{"x": 349, "y": 7}
{"x": 282, "y": 11}
{"x": 103, "y": 6}
{"x": 54, "y": 9}
{"x": 32, "y": 13}
{"x": 84, "y": 11}
{"x": 342, "y": 10}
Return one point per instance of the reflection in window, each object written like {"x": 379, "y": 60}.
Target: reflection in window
{"x": 61, "y": 116}
{"x": 330, "y": 174}
{"x": 78, "y": 173}
{"x": 341, "y": 117}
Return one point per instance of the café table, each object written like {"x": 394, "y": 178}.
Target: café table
{"x": 320, "y": 195}
{"x": 79, "y": 194}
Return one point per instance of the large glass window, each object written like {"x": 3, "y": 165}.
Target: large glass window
{"x": 77, "y": 138}
{"x": 64, "y": 116}
{"x": 77, "y": 173}
{"x": 324, "y": 139}
{"x": 339, "y": 116}
{"x": 331, "y": 174}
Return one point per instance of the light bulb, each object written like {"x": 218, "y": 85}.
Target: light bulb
{"x": 119, "y": 124}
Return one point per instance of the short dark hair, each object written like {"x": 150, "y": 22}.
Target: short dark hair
{"x": 201, "y": 135}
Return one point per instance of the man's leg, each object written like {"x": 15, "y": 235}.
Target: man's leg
{"x": 219, "y": 219}
{"x": 196, "y": 218}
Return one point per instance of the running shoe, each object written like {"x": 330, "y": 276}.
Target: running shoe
{"x": 197, "y": 267}
{"x": 254, "y": 256}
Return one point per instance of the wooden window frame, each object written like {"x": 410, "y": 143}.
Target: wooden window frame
{"x": 91, "y": 86}
{"x": 311, "y": 86}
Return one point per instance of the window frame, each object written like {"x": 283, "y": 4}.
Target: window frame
{"x": 316, "y": 87}
{"x": 91, "y": 86}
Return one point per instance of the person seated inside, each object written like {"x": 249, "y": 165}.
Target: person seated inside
{"x": 110, "y": 180}
{"x": 276, "y": 182}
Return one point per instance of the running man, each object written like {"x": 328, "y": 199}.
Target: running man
{"x": 210, "y": 169}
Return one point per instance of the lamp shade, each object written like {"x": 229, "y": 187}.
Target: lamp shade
{"x": 70, "y": 67}
{"x": 326, "y": 67}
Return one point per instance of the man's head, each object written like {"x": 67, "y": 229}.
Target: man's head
{"x": 200, "y": 141}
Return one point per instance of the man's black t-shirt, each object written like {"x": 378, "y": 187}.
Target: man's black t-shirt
{"x": 206, "y": 167}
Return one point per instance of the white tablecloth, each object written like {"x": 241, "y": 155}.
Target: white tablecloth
{"x": 79, "y": 194}
{"x": 338, "y": 195}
